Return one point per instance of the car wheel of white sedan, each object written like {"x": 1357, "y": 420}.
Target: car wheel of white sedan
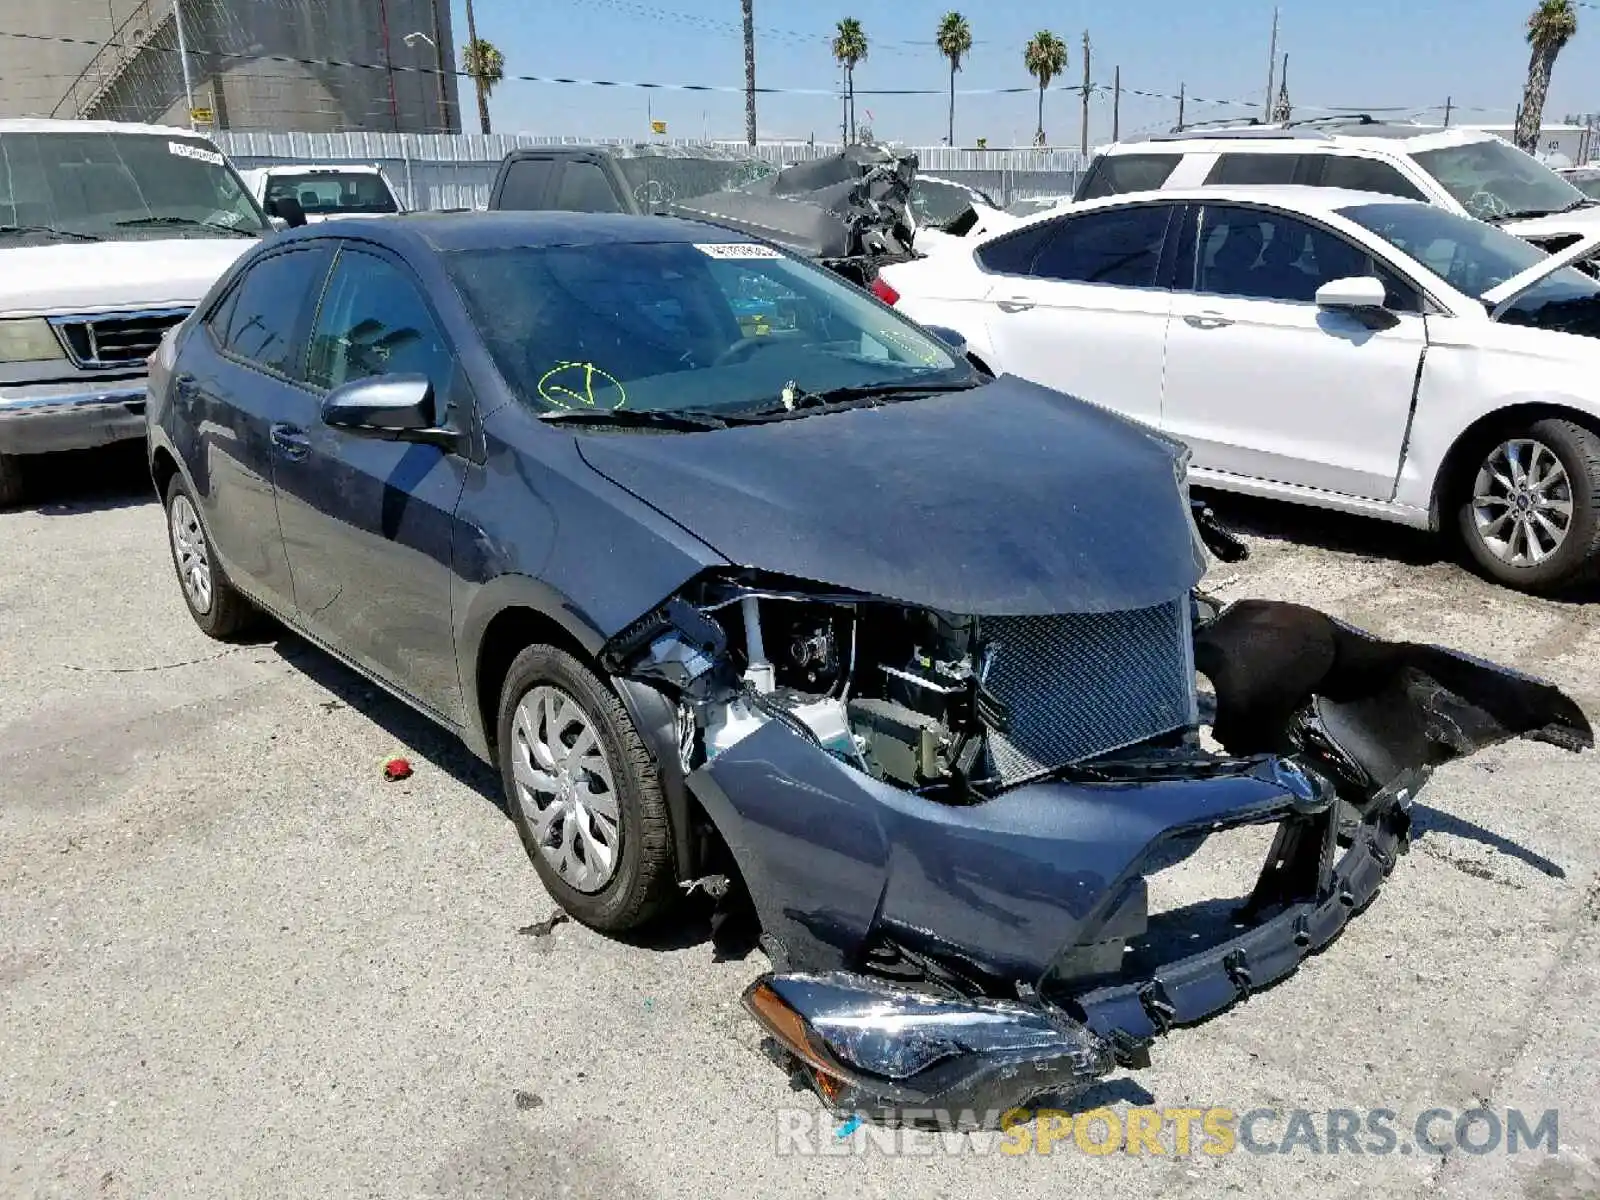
{"x": 1530, "y": 508}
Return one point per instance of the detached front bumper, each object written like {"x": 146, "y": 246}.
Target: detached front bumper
{"x": 45, "y": 418}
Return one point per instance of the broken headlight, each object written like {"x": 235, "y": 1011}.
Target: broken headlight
{"x": 864, "y": 1045}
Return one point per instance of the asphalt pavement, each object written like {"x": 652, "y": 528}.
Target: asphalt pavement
{"x": 234, "y": 960}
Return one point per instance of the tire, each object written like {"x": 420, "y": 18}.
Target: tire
{"x": 611, "y": 874}
{"x": 1510, "y": 480}
{"x": 218, "y": 608}
{"x": 10, "y": 480}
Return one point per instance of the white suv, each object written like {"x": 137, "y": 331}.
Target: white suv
{"x": 1466, "y": 171}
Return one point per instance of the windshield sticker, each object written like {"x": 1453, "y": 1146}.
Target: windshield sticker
{"x": 573, "y": 384}
{"x": 184, "y": 150}
{"x": 736, "y": 250}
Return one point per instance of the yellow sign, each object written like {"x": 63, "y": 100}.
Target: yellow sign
{"x": 658, "y": 126}
{"x": 200, "y": 116}
{"x": 573, "y": 385}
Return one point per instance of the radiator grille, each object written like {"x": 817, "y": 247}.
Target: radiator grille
{"x": 115, "y": 339}
{"x": 1080, "y": 685}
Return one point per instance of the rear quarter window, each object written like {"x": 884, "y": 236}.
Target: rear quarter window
{"x": 1014, "y": 253}
{"x": 1114, "y": 174}
{"x": 1244, "y": 169}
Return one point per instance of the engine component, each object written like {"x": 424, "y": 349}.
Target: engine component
{"x": 758, "y": 672}
{"x": 676, "y": 644}
{"x": 827, "y": 719}
{"x": 813, "y": 653}
{"x": 900, "y": 744}
{"x": 729, "y": 724}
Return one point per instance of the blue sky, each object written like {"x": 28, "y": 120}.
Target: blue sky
{"x": 1357, "y": 52}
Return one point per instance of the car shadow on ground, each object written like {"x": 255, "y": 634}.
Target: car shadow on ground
{"x": 694, "y": 922}
{"x": 84, "y": 481}
{"x": 1342, "y": 533}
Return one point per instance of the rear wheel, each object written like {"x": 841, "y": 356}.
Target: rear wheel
{"x": 216, "y": 606}
{"x": 1529, "y": 509}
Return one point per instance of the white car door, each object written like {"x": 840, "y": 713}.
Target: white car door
{"x": 1261, "y": 382}
{"x": 1076, "y": 304}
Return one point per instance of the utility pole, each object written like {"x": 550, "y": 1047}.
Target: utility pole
{"x": 1449, "y": 103}
{"x": 1116, "y": 104}
{"x": 1084, "y": 136}
{"x": 1180, "y": 108}
{"x": 183, "y": 57}
{"x": 1272, "y": 67}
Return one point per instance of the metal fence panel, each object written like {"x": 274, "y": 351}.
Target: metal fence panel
{"x": 435, "y": 171}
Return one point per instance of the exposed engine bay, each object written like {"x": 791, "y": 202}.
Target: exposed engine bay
{"x": 945, "y": 823}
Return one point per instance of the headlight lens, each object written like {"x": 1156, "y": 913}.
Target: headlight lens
{"x": 28, "y": 340}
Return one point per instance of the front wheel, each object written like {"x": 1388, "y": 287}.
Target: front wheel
{"x": 583, "y": 792}
{"x": 1529, "y": 512}
{"x": 219, "y": 608}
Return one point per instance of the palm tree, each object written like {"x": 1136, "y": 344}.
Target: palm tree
{"x": 1045, "y": 57}
{"x": 955, "y": 43}
{"x": 1551, "y": 26}
{"x": 749, "y": 70}
{"x": 849, "y": 48}
{"x": 484, "y": 65}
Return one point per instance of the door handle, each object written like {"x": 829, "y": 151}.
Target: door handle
{"x": 1014, "y": 304}
{"x": 1208, "y": 320}
{"x": 291, "y": 440}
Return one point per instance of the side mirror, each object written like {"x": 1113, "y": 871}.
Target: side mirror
{"x": 950, "y": 338}
{"x": 1356, "y": 294}
{"x": 399, "y": 407}
{"x": 278, "y": 224}
{"x": 288, "y": 208}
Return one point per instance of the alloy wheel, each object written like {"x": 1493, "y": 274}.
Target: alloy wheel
{"x": 1522, "y": 502}
{"x": 565, "y": 786}
{"x": 191, "y": 553}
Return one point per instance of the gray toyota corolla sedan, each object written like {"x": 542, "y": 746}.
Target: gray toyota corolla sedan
{"x": 749, "y": 585}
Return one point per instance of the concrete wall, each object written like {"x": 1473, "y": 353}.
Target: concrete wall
{"x": 242, "y": 63}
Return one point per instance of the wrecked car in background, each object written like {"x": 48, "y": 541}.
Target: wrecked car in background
{"x": 850, "y": 212}
{"x": 809, "y": 614}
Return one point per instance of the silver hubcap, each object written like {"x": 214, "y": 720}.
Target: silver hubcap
{"x": 565, "y": 787}
{"x": 190, "y": 552}
{"x": 1522, "y": 502}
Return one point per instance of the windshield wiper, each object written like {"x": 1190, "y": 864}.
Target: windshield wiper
{"x": 684, "y": 420}
{"x": 829, "y": 397}
{"x": 146, "y": 222}
{"x": 51, "y": 231}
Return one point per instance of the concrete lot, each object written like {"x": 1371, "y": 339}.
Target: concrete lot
{"x": 234, "y": 961}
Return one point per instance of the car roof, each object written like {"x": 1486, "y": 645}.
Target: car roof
{"x": 50, "y": 125}
{"x": 319, "y": 168}
{"x": 1373, "y": 135}
{"x": 508, "y": 229}
{"x": 1299, "y": 197}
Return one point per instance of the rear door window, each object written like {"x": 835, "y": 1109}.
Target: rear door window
{"x": 271, "y": 303}
{"x": 1115, "y": 174}
{"x": 1119, "y": 246}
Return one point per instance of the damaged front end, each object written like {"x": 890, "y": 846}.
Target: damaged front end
{"x": 945, "y": 823}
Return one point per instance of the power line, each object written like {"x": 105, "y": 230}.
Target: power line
{"x": 399, "y": 69}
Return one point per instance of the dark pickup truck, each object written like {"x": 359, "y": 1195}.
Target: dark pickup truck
{"x": 848, "y": 211}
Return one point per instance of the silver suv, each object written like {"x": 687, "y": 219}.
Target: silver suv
{"x": 1467, "y": 171}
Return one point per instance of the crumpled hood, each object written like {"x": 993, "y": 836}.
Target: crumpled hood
{"x": 68, "y": 277}
{"x": 1008, "y": 499}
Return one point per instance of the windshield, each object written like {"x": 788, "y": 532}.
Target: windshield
{"x": 122, "y": 186}
{"x": 325, "y": 193}
{"x": 674, "y": 327}
{"x": 657, "y": 180}
{"x": 1473, "y": 257}
{"x": 1493, "y": 180}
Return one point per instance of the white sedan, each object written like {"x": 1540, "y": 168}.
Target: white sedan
{"x": 1342, "y": 349}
